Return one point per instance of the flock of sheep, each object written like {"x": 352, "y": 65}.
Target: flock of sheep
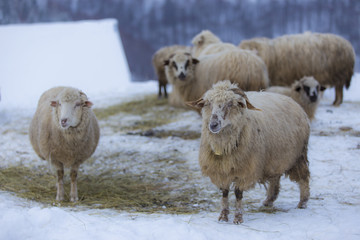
{"x": 247, "y": 137}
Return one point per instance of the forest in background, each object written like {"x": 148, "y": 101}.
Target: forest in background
{"x": 147, "y": 25}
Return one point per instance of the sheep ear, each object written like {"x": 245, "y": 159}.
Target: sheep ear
{"x": 198, "y": 104}
{"x": 201, "y": 40}
{"x": 195, "y": 61}
{"x": 167, "y": 62}
{"x": 88, "y": 104}
{"x": 53, "y": 103}
{"x": 250, "y": 106}
{"x": 322, "y": 88}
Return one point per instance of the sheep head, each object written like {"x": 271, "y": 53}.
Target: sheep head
{"x": 69, "y": 106}
{"x": 205, "y": 37}
{"x": 308, "y": 89}
{"x": 179, "y": 68}
{"x": 221, "y": 105}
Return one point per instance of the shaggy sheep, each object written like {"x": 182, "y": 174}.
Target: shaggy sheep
{"x": 64, "y": 131}
{"x": 191, "y": 77}
{"x": 305, "y": 92}
{"x": 206, "y": 43}
{"x": 327, "y": 57}
{"x": 252, "y": 138}
{"x": 158, "y": 63}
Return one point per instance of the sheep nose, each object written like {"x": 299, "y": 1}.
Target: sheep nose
{"x": 313, "y": 98}
{"x": 63, "y": 122}
{"x": 214, "y": 125}
{"x": 182, "y": 76}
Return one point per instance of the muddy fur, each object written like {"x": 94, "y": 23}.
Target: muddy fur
{"x": 241, "y": 67}
{"x": 327, "y": 57}
{"x": 263, "y": 136}
{"x": 64, "y": 147}
{"x": 299, "y": 94}
{"x": 158, "y": 63}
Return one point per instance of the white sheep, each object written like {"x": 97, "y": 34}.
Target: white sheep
{"x": 327, "y": 57}
{"x": 206, "y": 43}
{"x": 252, "y": 138}
{"x": 306, "y": 92}
{"x": 192, "y": 77}
{"x": 158, "y": 63}
{"x": 64, "y": 131}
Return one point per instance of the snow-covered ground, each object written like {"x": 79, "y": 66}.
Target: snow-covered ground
{"x": 334, "y": 154}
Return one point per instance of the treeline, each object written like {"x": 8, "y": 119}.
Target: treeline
{"x": 147, "y": 25}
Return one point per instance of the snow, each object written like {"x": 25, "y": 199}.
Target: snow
{"x": 87, "y": 55}
{"x": 334, "y": 151}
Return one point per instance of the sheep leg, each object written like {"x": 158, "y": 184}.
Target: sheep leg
{"x": 272, "y": 192}
{"x": 73, "y": 186}
{"x": 238, "y": 206}
{"x": 165, "y": 92}
{"x": 304, "y": 193}
{"x": 338, "y": 95}
{"x": 224, "y": 215}
{"x": 60, "y": 183}
{"x": 160, "y": 86}
{"x": 300, "y": 173}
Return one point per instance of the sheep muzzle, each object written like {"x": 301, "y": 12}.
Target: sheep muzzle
{"x": 182, "y": 76}
{"x": 214, "y": 124}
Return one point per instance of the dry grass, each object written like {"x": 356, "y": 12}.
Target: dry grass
{"x": 150, "y": 112}
{"x": 108, "y": 190}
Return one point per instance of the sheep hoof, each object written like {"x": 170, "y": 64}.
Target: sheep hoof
{"x": 59, "y": 198}
{"x": 302, "y": 205}
{"x": 238, "y": 218}
{"x": 224, "y": 215}
{"x": 74, "y": 199}
{"x": 268, "y": 204}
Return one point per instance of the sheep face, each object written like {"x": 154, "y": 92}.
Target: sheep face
{"x": 309, "y": 89}
{"x": 68, "y": 109}
{"x": 180, "y": 68}
{"x": 222, "y": 105}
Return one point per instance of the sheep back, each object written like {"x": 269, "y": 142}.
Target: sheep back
{"x": 327, "y": 57}
{"x": 242, "y": 67}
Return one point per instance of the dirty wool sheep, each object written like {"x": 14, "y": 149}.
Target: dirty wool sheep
{"x": 64, "y": 131}
{"x": 192, "y": 77}
{"x": 206, "y": 43}
{"x": 327, "y": 57}
{"x": 306, "y": 92}
{"x": 158, "y": 63}
{"x": 252, "y": 138}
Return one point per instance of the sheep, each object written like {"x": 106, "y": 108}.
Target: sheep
{"x": 191, "y": 77}
{"x": 65, "y": 132}
{"x": 206, "y": 43}
{"x": 252, "y": 138}
{"x": 327, "y": 57}
{"x": 158, "y": 63}
{"x": 305, "y": 92}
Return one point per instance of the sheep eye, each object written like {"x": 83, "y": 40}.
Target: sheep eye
{"x": 306, "y": 89}
{"x": 77, "y": 104}
{"x": 174, "y": 65}
{"x": 230, "y": 104}
{"x": 187, "y": 64}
